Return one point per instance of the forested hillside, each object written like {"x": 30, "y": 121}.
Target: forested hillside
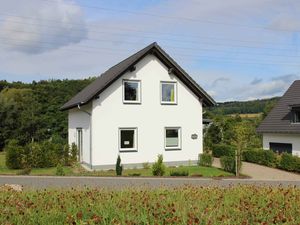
{"x": 245, "y": 107}
{"x": 30, "y": 112}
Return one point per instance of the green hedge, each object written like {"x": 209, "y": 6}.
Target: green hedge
{"x": 290, "y": 163}
{"x": 269, "y": 158}
{"x": 38, "y": 155}
{"x": 262, "y": 157}
{"x": 228, "y": 163}
{"x": 205, "y": 159}
{"x": 220, "y": 150}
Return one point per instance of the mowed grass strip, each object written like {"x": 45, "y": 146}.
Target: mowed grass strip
{"x": 185, "y": 205}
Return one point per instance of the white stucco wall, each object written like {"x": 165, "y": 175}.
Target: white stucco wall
{"x": 150, "y": 117}
{"x": 293, "y": 139}
{"x": 80, "y": 119}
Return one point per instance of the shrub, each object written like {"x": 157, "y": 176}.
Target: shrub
{"x": 74, "y": 153}
{"x": 260, "y": 156}
{"x": 59, "y": 170}
{"x": 228, "y": 163}
{"x": 67, "y": 155}
{"x": 14, "y": 155}
{"x": 119, "y": 167}
{"x": 220, "y": 150}
{"x": 205, "y": 159}
{"x": 146, "y": 165}
{"x": 25, "y": 171}
{"x": 289, "y": 162}
{"x": 35, "y": 155}
{"x": 158, "y": 168}
{"x": 179, "y": 173}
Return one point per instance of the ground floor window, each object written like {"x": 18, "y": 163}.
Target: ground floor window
{"x": 128, "y": 139}
{"x": 281, "y": 147}
{"x": 172, "y": 138}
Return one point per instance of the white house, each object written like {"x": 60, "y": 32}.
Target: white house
{"x": 144, "y": 106}
{"x": 281, "y": 128}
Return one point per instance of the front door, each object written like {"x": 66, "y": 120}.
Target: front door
{"x": 79, "y": 143}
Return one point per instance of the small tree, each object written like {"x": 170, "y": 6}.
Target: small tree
{"x": 14, "y": 155}
{"x": 119, "y": 167}
{"x": 74, "y": 153}
{"x": 158, "y": 168}
{"x": 240, "y": 140}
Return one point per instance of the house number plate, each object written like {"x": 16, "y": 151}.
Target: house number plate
{"x": 194, "y": 136}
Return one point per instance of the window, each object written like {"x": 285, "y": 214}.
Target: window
{"x": 168, "y": 93}
{"x": 172, "y": 138}
{"x": 296, "y": 116}
{"x": 131, "y": 91}
{"x": 128, "y": 139}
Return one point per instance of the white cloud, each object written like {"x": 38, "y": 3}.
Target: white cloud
{"x": 41, "y": 27}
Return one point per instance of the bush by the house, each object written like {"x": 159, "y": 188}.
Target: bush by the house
{"x": 289, "y": 162}
{"x": 38, "y": 154}
{"x": 228, "y": 163}
{"x": 14, "y": 155}
{"x": 146, "y": 165}
{"x": 220, "y": 150}
{"x": 74, "y": 152}
{"x": 205, "y": 159}
{"x": 262, "y": 157}
{"x": 59, "y": 170}
{"x": 158, "y": 168}
{"x": 179, "y": 173}
{"x": 119, "y": 167}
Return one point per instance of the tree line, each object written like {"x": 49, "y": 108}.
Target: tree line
{"x": 30, "y": 112}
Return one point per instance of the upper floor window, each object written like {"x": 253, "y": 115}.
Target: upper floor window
{"x": 131, "y": 91}
{"x": 296, "y": 116}
{"x": 168, "y": 93}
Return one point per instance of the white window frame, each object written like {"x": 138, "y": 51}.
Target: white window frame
{"x": 135, "y": 140}
{"x": 179, "y": 138}
{"x": 175, "y": 93}
{"x": 138, "y": 101}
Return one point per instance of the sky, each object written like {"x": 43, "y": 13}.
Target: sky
{"x": 234, "y": 49}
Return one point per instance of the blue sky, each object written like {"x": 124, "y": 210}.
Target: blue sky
{"x": 235, "y": 49}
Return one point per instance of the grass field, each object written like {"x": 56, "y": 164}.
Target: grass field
{"x": 185, "y": 205}
{"x": 78, "y": 171}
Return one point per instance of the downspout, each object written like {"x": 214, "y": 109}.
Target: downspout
{"x": 90, "y": 115}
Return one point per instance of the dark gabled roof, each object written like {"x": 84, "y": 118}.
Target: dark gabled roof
{"x": 279, "y": 119}
{"x": 111, "y": 75}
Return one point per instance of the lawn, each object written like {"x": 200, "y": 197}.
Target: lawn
{"x": 184, "y": 205}
{"x": 78, "y": 171}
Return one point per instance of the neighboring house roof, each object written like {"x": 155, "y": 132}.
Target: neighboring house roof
{"x": 112, "y": 74}
{"x": 279, "y": 119}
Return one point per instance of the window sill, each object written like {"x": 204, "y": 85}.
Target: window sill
{"x": 131, "y": 103}
{"x": 168, "y": 103}
{"x": 127, "y": 150}
{"x": 173, "y": 149}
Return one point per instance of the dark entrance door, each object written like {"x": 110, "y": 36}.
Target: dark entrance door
{"x": 281, "y": 147}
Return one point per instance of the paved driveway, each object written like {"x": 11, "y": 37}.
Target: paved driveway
{"x": 259, "y": 172}
{"x": 40, "y": 182}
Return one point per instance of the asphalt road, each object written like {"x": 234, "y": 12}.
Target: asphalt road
{"x": 41, "y": 182}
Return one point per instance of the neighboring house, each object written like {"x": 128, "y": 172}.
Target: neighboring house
{"x": 143, "y": 106}
{"x": 281, "y": 128}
